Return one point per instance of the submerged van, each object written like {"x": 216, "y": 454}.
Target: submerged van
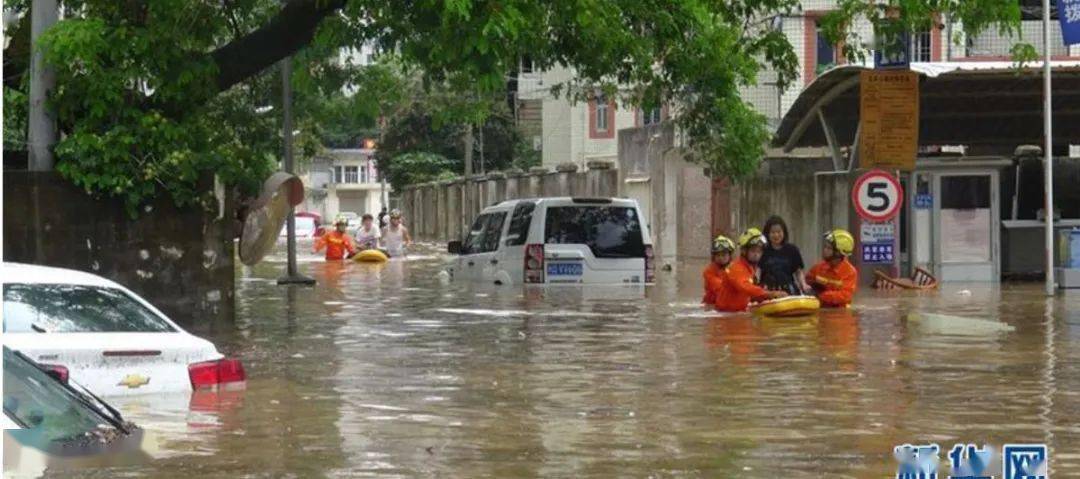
{"x": 556, "y": 240}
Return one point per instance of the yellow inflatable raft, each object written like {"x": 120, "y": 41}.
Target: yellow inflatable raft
{"x": 371, "y": 256}
{"x": 787, "y": 307}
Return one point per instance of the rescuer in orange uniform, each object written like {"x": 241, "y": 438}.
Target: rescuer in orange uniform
{"x": 834, "y": 278}
{"x": 716, "y": 272}
{"x": 336, "y": 242}
{"x": 740, "y": 279}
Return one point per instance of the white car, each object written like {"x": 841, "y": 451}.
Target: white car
{"x": 306, "y": 228}
{"x": 104, "y": 336}
{"x": 557, "y": 240}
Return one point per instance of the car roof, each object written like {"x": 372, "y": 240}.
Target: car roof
{"x": 34, "y": 274}
{"x": 564, "y": 200}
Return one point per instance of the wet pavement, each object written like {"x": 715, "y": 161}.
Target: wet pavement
{"x": 384, "y": 371}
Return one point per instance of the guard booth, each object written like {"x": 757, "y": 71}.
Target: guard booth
{"x": 953, "y": 216}
{"x": 951, "y": 220}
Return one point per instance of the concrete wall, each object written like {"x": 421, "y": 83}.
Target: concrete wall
{"x": 181, "y": 260}
{"x": 674, "y": 194}
{"x": 442, "y": 211}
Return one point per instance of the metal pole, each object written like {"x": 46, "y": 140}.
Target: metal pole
{"x": 291, "y": 275}
{"x": 1048, "y": 150}
{"x": 41, "y": 134}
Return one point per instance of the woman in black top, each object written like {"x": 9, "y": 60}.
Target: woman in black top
{"x": 782, "y": 265}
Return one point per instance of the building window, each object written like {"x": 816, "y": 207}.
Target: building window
{"x": 601, "y": 118}
{"x": 364, "y": 173}
{"x": 921, "y": 46}
{"x": 352, "y": 174}
{"x": 337, "y": 175}
{"x": 526, "y": 64}
{"x": 601, "y": 114}
{"x": 826, "y": 52}
{"x": 651, "y": 117}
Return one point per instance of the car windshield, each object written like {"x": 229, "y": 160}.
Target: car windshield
{"x": 69, "y": 308}
{"x": 43, "y": 405}
{"x": 609, "y": 231}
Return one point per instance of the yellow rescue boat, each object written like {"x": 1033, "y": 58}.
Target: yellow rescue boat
{"x": 371, "y": 256}
{"x": 787, "y": 307}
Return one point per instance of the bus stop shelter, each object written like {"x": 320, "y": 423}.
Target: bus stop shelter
{"x": 953, "y": 220}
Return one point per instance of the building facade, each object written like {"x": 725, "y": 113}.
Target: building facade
{"x": 345, "y": 180}
{"x": 579, "y": 132}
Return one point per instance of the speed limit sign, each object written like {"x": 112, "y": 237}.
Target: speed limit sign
{"x": 877, "y": 196}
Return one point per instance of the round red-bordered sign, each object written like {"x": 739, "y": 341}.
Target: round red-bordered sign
{"x": 877, "y": 196}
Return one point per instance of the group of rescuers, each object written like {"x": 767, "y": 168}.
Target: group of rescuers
{"x": 766, "y": 266}
{"x": 391, "y": 237}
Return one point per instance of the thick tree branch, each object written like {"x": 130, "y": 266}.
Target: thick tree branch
{"x": 288, "y": 32}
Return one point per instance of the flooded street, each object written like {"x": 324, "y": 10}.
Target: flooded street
{"x": 384, "y": 371}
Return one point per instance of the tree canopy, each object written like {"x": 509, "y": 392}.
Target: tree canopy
{"x": 152, "y": 94}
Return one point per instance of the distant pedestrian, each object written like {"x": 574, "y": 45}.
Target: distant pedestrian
{"x": 383, "y": 218}
{"x": 395, "y": 236}
{"x": 367, "y": 236}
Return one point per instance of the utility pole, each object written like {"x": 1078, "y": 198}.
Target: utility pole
{"x": 292, "y": 276}
{"x": 1048, "y": 150}
{"x": 42, "y": 124}
{"x": 468, "y": 150}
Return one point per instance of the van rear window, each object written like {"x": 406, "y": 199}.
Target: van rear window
{"x": 609, "y": 231}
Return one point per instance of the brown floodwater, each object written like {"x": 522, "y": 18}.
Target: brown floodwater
{"x": 385, "y": 371}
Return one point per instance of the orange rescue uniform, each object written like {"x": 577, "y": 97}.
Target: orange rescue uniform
{"x": 834, "y": 285}
{"x": 713, "y": 278}
{"x": 738, "y": 287}
{"x": 336, "y": 244}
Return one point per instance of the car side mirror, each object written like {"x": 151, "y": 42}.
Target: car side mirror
{"x": 453, "y": 247}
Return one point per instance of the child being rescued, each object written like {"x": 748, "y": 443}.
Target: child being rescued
{"x": 731, "y": 285}
{"x": 834, "y": 278}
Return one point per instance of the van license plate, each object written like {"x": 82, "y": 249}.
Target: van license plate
{"x": 564, "y": 269}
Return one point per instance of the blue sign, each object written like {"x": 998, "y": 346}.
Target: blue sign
{"x": 969, "y": 462}
{"x": 899, "y": 55}
{"x": 877, "y": 253}
{"x": 1069, "y": 15}
{"x": 1018, "y": 461}
{"x": 1024, "y": 461}
{"x": 916, "y": 462}
{"x": 924, "y": 201}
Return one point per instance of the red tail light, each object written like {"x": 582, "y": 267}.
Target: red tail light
{"x": 534, "y": 263}
{"x": 212, "y": 373}
{"x": 650, "y": 265}
{"x": 56, "y": 371}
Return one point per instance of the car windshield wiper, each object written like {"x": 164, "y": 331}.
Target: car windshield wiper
{"x": 117, "y": 419}
{"x": 88, "y": 400}
{"x": 37, "y": 328}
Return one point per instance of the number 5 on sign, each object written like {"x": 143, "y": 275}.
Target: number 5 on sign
{"x": 877, "y": 196}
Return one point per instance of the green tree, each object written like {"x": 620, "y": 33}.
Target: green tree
{"x": 150, "y": 95}
{"x": 419, "y": 130}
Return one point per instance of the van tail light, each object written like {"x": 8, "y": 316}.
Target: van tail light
{"x": 56, "y": 371}
{"x": 650, "y": 265}
{"x": 534, "y": 263}
{"x": 213, "y": 373}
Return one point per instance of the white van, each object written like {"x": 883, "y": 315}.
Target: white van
{"x": 556, "y": 240}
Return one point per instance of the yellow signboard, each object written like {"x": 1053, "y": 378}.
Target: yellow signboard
{"x": 889, "y": 116}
